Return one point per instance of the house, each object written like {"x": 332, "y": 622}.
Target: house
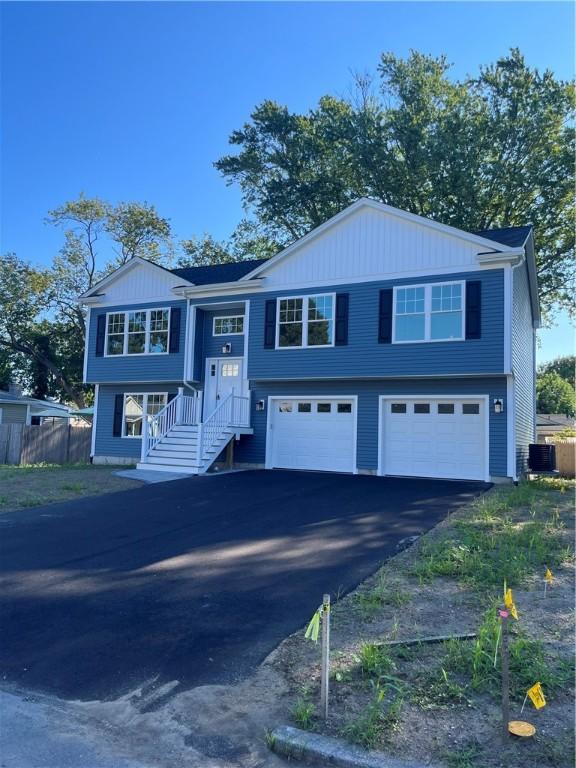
{"x": 15, "y": 408}
{"x": 550, "y": 425}
{"x": 381, "y": 342}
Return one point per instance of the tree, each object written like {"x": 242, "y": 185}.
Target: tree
{"x": 246, "y": 242}
{"x": 564, "y": 367}
{"x": 554, "y": 395}
{"x": 494, "y": 150}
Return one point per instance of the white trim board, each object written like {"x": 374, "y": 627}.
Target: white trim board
{"x": 330, "y": 398}
{"x": 484, "y": 398}
{"x": 94, "y": 421}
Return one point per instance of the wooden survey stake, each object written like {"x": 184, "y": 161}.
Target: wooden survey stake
{"x": 325, "y": 681}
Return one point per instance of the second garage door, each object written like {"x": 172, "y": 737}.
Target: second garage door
{"x": 427, "y": 437}
{"x": 312, "y": 433}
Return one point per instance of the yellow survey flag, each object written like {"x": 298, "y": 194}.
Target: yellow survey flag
{"x": 548, "y": 576}
{"x": 509, "y": 603}
{"x": 536, "y": 695}
{"x": 314, "y": 627}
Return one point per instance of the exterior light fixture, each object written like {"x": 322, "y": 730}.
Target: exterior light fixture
{"x": 498, "y": 405}
{"x": 227, "y": 348}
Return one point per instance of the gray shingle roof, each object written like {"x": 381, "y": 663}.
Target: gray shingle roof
{"x": 515, "y": 237}
{"x": 217, "y": 273}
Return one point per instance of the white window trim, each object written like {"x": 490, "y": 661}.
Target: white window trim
{"x": 148, "y": 311}
{"x": 428, "y": 312}
{"x": 305, "y": 300}
{"x": 144, "y": 409}
{"x": 228, "y": 317}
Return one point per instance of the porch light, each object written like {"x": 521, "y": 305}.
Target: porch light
{"x": 227, "y": 348}
{"x": 498, "y": 405}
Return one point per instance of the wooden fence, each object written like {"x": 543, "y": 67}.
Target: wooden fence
{"x": 49, "y": 443}
{"x": 565, "y": 455}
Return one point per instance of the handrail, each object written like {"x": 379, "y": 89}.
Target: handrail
{"x": 233, "y": 411}
{"x": 182, "y": 409}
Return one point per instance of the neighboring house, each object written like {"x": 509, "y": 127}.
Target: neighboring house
{"x": 15, "y": 408}
{"x": 550, "y": 425}
{"x": 381, "y": 343}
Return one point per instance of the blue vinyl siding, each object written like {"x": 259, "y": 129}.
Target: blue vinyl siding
{"x": 212, "y": 345}
{"x": 108, "y": 445}
{"x": 523, "y": 366}
{"x": 363, "y": 356}
{"x": 169, "y": 367}
{"x": 252, "y": 448}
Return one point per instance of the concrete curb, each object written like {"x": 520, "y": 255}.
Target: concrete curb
{"x": 324, "y": 750}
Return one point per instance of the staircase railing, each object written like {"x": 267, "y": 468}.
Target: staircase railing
{"x": 183, "y": 409}
{"x": 233, "y": 411}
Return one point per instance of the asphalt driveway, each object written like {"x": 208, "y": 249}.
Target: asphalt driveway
{"x": 195, "y": 580}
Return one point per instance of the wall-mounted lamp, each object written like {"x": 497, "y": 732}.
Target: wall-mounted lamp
{"x": 260, "y": 405}
{"x": 498, "y": 405}
{"x": 227, "y": 348}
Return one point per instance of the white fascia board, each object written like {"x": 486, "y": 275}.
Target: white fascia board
{"x": 365, "y": 202}
{"x": 136, "y": 261}
{"x": 213, "y": 289}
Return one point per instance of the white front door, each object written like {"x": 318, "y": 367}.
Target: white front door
{"x": 312, "y": 433}
{"x": 434, "y": 437}
{"x": 223, "y": 374}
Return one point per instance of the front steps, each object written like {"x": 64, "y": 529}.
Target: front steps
{"x": 178, "y": 450}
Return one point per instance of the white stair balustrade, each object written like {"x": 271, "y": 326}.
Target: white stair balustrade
{"x": 176, "y": 440}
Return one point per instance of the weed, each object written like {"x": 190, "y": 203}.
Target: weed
{"x": 270, "y": 739}
{"x": 375, "y": 661}
{"x": 76, "y": 487}
{"x": 382, "y": 594}
{"x": 435, "y": 690}
{"x": 377, "y": 718}
{"x": 466, "y": 757}
{"x": 528, "y": 661}
{"x": 303, "y": 713}
{"x": 491, "y": 546}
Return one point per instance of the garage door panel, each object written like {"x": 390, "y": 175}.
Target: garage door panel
{"x": 433, "y": 437}
{"x": 312, "y": 434}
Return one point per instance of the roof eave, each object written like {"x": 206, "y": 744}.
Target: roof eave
{"x": 235, "y": 286}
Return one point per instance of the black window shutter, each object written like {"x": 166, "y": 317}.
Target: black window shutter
{"x": 118, "y": 408}
{"x": 341, "y": 330}
{"x": 473, "y": 309}
{"x": 100, "y": 335}
{"x": 270, "y": 324}
{"x": 174, "y": 344}
{"x": 385, "y": 317}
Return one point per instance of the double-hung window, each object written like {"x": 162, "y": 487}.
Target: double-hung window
{"x": 136, "y": 406}
{"x": 138, "y": 332}
{"x": 305, "y": 321}
{"x": 429, "y": 313}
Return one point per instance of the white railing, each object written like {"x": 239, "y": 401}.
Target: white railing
{"x": 233, "y": 411}
{"x": 183, "y": 409}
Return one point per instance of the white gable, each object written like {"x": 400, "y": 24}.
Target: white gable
{"x": 142, "y": 283}
{"x": 373, "y": 244}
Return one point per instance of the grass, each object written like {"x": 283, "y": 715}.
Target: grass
{"x": 496, "y": 543}
{"x": 465, "y": 757}
{"x": 383, "y": 594}
{"x": 380, "y": 717}
{"x": 34, "y": 485}
{"x": 528, "y": 661}
{"x": 303, "y": 713}
{"x": 436, "y": 689}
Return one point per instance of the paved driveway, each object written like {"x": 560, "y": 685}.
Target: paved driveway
{"x": 195, "y": 580}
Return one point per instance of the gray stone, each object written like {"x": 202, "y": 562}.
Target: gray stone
{"x": 315, "y": 749}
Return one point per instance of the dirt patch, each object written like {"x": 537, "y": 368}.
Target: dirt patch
{"x": 25, "y": 487}
{"x": 439, "y": 703}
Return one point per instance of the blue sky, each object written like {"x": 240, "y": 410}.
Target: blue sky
{"x": 134, "y": 101}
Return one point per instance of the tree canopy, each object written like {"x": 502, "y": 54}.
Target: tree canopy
{"x": 487, "y": 151}
{"x": 555, "y": 395}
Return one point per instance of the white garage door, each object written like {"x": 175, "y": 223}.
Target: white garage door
{"x": 312, "y": 433}
{"x": 434, "y": 438}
